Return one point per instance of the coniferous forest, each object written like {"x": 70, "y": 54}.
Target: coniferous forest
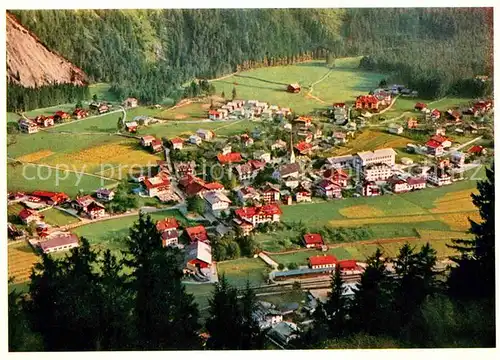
{"x": 149, "y": 54}
{"x": 92, "y": 300}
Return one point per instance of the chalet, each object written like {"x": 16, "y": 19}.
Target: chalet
{"x": 177, "y": 143}
{"x": 438, "y": 176}
{"x": 477, "y": 150}
{"x": 329, "y": 189}
{"x": 412, "y": 123}
{"x": 195, "y": 140}
{"x": 130, "y": 103}
{"x": 147, "y": 140}
{"x": 59, "y": 242}
{"x": 384, "y": 97}
{"x": 322, "y": 261}
{"x": 205, "y": 135}
{"x": 27, "y": 216}
{"x": 80, "y": 113}
{"x": 157, "y": 185}
{"x": 44, "y": 121}
{"x": 339, "y": 138}
{"x": 195, "y": 186}
{"x": 51, "y": 198}
{"x": 103, "y": 108}
{"x": 395, "y": 129}
{"x": 304, "y": 148}
{"x": 86, "y": 204}
{"x": 435, "y": 114}
{"x": 341, "y": 161}
{"x": 337, "y": 175}
{"x": 266, "y": 315}
{"x": 27, "y": 126}
{"x": 287, "y": 170}
{"x": 279, "y": 144}
{"x": 233, "y": 157}
{"x": 249, "y": 170}
{"x": 131, "y": 127}
{"x": 168, "y": 230}
{"x": 156, "y": 145}
{"x": 398, "y": 185}
{"x": 437, "y": 144}
{"x": 440, "y": 131}
{"x": 293, "y": 88}
{"x": 216, "y": 201}
{"x": 291, "y": 182}
{"x": 483, "y": 106}
{"x": 339, "y": 105}
{"x": 259, "y": 215}
{"x": 218, "y": 114}
{"x": 370, "y": 188}
{"x": 61, "y": 116}
{"x": 304, "y": 120}
{"x": 416, "y": 183}
{"x": 367, "y": 102}
{"x": 286, "y": 197}
{"x": 313, "y": 241}
{"x": 377, "y": 172}
{"x": 105, "y": 194}
{"x": 453, "y": 115}
{"x": 185, "y": 168}
{"x": 248, "y": 193}
{"x": 197, "y": 233}
{"x": 420, "y": 106}
{"x": 198, "y": 256}
{"x": 167, "y": 224}
{"x": 347, "y": 265}
{"x": 302, "y": 195}
{"x": 270, "y": 193}
{"x": 262, "y": 156}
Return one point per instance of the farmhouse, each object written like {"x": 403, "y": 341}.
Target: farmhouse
{"x": 304, "y": 120}
{"x": 260, "y": 214}
{"x": 217, "y": 201}
{"x": 156, "y": 145}
{"x": 453, "y": 115}
{"x": 293, "y": 88}
{"x": 313, "y": 241}
{"x": 438, "y": 176}
{"x": 103, "y": 108}
{"x": 185, "y": 168}
{"x": 367, "y": 102}
{"x": 27, "y": 216}
{"x": 80, "y": 113}
{"x": 60, "y": 116}
{"x": 302, "y": 195}
{"x": 382, "y": 156}
{"x": 131, "y": 127}
{"x": 218, "y": 114}
{"x": 131, "y": 103}
{"x": 168, "y": 230}
{"x": 105, "y": 194}
{"x": 304, "y": 148}
{"x": 177, "y": 143}
{"x": 437, "y": 144}
{"x": 197, "y": 233}
{"x": 412, "y": 123}
{"x": 45, "y": 121}
{"x": 477, "y": 150}
{"x": 147, "y": 140}
{"x": 279, "y": 144}
{"x": 248, "y": 193}
{"x": 287, "y": 170}
{"x": 27, "y": 126}
{"x": 336, "y": 175}
{"x": 51, "y": 198}
{"x": 435, "y": 114}
{"x": 420, "y": 106}
{"x": 329, "y": 189}
{"x": 198, "y": 256}
{"x": 195, "y": 186}
{"x": 59, "y": 242}
{"x": 249, "y": 170}
{"x": 322, "y": 261}
{"x": 205, "y": 135}
{"x": 157, "y": 185}
{"x": 89, "y": 206}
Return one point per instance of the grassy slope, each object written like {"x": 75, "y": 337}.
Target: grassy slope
{"x": 58, "y": 218}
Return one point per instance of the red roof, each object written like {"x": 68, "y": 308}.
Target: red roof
{"x": 313, "y": 239}
{"x": 415, "y": 180}
{"x": 61, "y": 113}
{"x": 56, "y": 197}
{"x": 229, "y": 158}
{"x": 339, "y": 105}
{"x": 328, "y": 184}
{"x": 347, "y": 264}
{"x": 476, "y": 149}
{"x": 177, "y": 141}
{"x": 367, "y": 99}
{"x": 214, "y": 112}
{"x": 95, "y": 206}
{"x": 336, "y": 174}
{"x": 26, "y": 213}
{"x": 156, "y": 142}
{"x": 213, "y": 186}
{"x": 158, "y": 182}
{"x": 167, "y": 223}
{"x": 197, "y": 233}
{"x": 265, "y": 210}
{"x": 433, "y": 144}
{"x": 60, "y": 240}
{"x": 304, "y": 119}
{"x": 439, "y": 138}
{"x": 420, "y": 106}
{"x": 322, "y": 260}
{"x": 435, "y": 113}
{"x": 303, "y": 146}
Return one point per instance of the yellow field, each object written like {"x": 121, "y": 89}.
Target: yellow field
{"x": 361, "y": 211}
{"x": 457, "y": 200}
{"x": 381, "y": 220}
{"x": 123, "y": 153}
{"x": 36, "y": 156}
{"x": 437, "y": 234}
{"x": 21, "y": 260}
{"x": 459, "y": 221}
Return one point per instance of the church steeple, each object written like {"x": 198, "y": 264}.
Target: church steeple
{"x": 292, "y": 153}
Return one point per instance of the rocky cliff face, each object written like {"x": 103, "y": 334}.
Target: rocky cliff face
{"x": 30, "y": 63}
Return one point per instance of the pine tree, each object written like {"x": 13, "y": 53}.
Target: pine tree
{"x": 474, "y": 275}
{"x": 251, "y": 336}
{"x": 337, "y": 306}
{"x": 234, "y": 94}
{"x": 223, "y": 95}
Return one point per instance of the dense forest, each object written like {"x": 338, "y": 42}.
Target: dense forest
{"x": 149, "y": 54}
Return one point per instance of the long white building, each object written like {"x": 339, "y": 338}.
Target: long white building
{"x": 382, "y": 156}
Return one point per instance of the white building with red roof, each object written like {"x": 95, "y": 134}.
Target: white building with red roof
{"x": 259, "y": 214}
{"x": 329, "y": 189}
{"x": 322, "y": 261}
{"x": 177, "y": 143}
{"x": 89, "y": 206}
{"x": 27, "y": 216}
{"x": 216, "y": 201}
{"x": 197, "y": 233}
{"x": 313, "y": 241}
{"x": 157, "y": 185}
{"x": 168, "y": 229}
{"x": 59, "y": 242}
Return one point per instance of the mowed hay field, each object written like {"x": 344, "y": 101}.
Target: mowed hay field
{"x": 190, "y": 111}
{"x": 21, "y": 259}
{"x": 372, "y": 140}
{"x": 238, "y": 271}
{"x": 341, "y": 83}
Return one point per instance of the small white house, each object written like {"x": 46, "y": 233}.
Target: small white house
{"x": 217, "y": 201}
{"x": 195, "y": 140}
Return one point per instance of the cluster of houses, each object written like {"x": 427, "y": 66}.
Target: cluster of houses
{"x": 241, "y": 109}
{"x": 31, "y": 126}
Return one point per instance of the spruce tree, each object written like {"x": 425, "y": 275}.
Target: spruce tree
{"x": 251, "y": 336}
{"x": 474, "y": 273}
{"x": 336, "y": 305}
{"x": 234, "y": 94}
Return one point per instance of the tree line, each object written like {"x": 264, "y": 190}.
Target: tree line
{"x": 135, "y": 300}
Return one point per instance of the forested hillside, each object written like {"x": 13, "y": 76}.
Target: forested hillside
{"x": 149, "y": 53}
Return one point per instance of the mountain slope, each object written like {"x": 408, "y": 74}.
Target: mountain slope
{"x": 32, "y": 64}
